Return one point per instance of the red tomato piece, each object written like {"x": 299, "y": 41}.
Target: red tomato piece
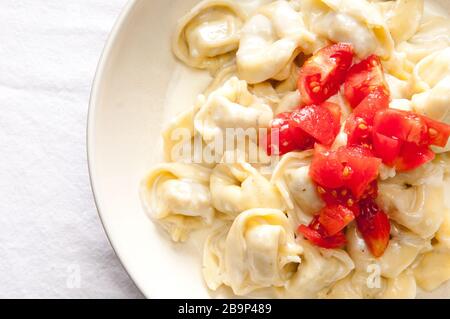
{"x": 412, "y": 156}
{"x": 360, "y": 168}
{"x": 285, "y": 136}
{"x": 386, "y": 148}
{"x": 363, "y": 78}
{"x": 438, "y": 132}
{"x": 335, "y": 109}
{"x": 317, "y": 236}
{"x": 402, "y": 125}
{"x": 280, "y": 127}
{"x": 358, "y": 132}
{"x": 317, "y": 121}
{"x": 343, "y": 196}
{"x": 322, "y": 74}
{"x": 374, "y": 226}
{"x": 350, "y": 167}
{"x": 335, "y": 218}
{"x": 374, "y": 102}
{"x": 326, "y": 169}
{"x": 359, "y": 125}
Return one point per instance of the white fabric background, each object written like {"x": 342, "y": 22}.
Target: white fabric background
{"x": 49, "y": 229}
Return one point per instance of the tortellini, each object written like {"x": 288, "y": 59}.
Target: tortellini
{"x": 179, "y": 135}
{"x": 319, "y": 270}
{"x": 213, "y": 257}
{"x": 208, "y": 35}
{"x": 359, "y": 285}
{"x": 236, "y": 187}
{"x": 435, "y": 102}
{"x": 431, "y": 70}
{"x": 291, "y": 177}
{"x": 433, "y": 269}
{"x": 231, "y": 106}
{"x": 401, "y": 252}
{"x": 270, "y": 41}
{"x": 177, "y": 196}
{"x": 433, "y": 35}
{"x": 443, "y": 234}
{"x": 358, "y": 22}
{"x": 259, "y": 251}
{"x": 404, "y": 18}
{"x": 415, "y": 199}
{"x": 399, "y": 89}
{"x": 248, "y": 204}
{"x": 431, "y": 81}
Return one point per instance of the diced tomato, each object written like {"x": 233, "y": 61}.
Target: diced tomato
{"x": 386, "y": 148}
{"x": 402, "y": 125}
{"x": 363, "y": 168}
{"x": 374, "y": 226}
{"x": 335, "y": 110}
{"x": 335, "y": 218}
{"x": 326, "y": 169}
{"x": 343, "y": 196}
{"x": 363, "y": 78}
{"x": 318, "y": 121}
{"x": 290, "y": 138}
{"x": 323, "y": 73}
{"x": 371, "y": 191}
{"x": 280, "y": 127}
{"x": 374, "y": 102}
{"x": 350, "y": 167}
{"x": 438, "y": 132}
{"x": 402, "y": 139}
{"x": 317, "y": 235}
{"x": 358, "y": 131}
{"x": 412, "y": 156}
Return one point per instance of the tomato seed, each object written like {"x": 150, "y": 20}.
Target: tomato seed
{"x": 432, "y": 131}
{"x": 362, "y": 126}
{"x": 346, "y": 172}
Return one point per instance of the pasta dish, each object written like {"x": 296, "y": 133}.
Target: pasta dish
{"x": 317, "y": 161}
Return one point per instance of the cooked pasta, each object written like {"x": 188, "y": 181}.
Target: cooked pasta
{"x": 262, "y": 55}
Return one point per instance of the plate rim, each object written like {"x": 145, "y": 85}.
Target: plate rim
{"x": 99, "y": 73}
{"x": 90, "y": 129}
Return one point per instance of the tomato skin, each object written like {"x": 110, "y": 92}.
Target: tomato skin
{"x": 402, "y": 125}
{"x": 299, "y": 130}
{"x": 359, "y": 124}
{"x": 374, "y": 226}
{"x": 358, "y": 131}
{"x": 364, "y": 169}
{"x": 438, "y": 132}
{"x": 322, "y": 74}
{"x": 412, "y": 156}
{"x": 386, "y": 148}
{"x": 363, "y": 78}
{"x": 402, "y": 139}
{"x": 335, "y": 218}
{"x": 318, "y": 121}
{"x": 350, "y": 167}
{"x": 374, "y": 102}
{"x": 326, "y": 169}
{"x": 280, "y": 125}
{"x": 335, "y": 110}
{"x": 344, "y": 197}
{"x": 315, "y": 233}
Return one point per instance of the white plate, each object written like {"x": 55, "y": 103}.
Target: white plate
{"x": 126, "y": 115}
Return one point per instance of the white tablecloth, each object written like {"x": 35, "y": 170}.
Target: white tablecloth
{"x": 52, "y": 243}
